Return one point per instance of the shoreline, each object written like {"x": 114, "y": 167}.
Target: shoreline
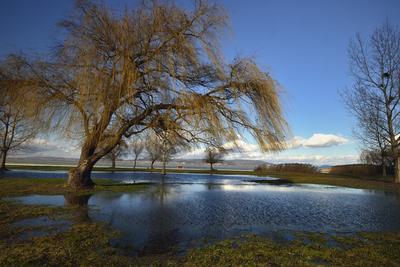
{"x": 373, "y": 183}
{"x": 87, "y": 242}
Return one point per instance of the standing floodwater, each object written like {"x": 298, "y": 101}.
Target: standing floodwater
{"x": 176, "y": 216}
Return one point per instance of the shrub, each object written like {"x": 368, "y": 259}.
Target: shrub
{"x": 287, "y": 167}
{"x": 356, "y": 169}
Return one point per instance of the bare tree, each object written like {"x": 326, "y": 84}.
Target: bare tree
{"x": 18, "y": 120}
{"x": 377, "y": 157}
{"x": 213, "y": 156}
{"x": 115, "y": 75}
{"x": 171, "y": 144}
{"x": 168, "y": 150}
{"x": 136, "y": 148}
{"x": 116, "y": 152}
{"x": 375, "y": 66}
{"x": 153, "y": 148}
{"x": 370, "y": 130}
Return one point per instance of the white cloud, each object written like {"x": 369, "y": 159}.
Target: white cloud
{"x": 313, "y": 159}
{"x": 317, "y": 140}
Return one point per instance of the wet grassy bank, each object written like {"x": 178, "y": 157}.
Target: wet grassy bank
{"x": 86, "y": 243}
{"x": 82, "y": 242}
{"x": 57, "y": 186}
{"x": 374, "y": 183}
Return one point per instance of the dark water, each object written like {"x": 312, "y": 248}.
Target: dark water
{"x": 175, "y": 216}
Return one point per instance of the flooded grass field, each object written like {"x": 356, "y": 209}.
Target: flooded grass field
{"x": 183, "y": 211}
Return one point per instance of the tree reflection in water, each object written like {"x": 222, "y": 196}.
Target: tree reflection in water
{"x": 80, "y": 205}
{"x": 163, "y": 236}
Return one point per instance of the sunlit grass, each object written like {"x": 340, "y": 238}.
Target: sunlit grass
{"x": 373, "y": 183}
{"x": 308, "y": 249}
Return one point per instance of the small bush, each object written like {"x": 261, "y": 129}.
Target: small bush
{"x": 356, "y": 170}
{"x": 287, "y": 167}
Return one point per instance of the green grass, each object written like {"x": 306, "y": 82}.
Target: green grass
{"x": 61, "y": 168}
{"x": 126, "y": 169}
{"x": 87, "y": 243}
{"x": 57, "y": 186}
{"x": 367, "y": 249}
{"x": 82, "y": 244}
{"x": 373, "y": 183}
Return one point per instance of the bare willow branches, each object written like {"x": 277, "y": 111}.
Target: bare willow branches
{"x": 119, "y": 75}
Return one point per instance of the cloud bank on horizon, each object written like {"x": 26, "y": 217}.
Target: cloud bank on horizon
{"x": 299, "y": 149}
{"x": 248, "y": 151}
{"x": 241, "y": 149}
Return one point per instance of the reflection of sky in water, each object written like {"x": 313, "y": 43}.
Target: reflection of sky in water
{"x": 311, "y": 188}
{"x": 57, "y": 200}
{"x": 174, "y": 215}
{"x": 130, "y": 177}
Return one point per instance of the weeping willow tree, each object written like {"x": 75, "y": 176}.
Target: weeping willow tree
{"x": 117, "y": 75}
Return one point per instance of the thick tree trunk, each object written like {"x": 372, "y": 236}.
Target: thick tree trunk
{"x": 152, "y": 164}
{"x": 397, "y": 170}
{"x": 79, "y": 177}
{"x": 3, "y": 161}
{"x": 211, "y": 167}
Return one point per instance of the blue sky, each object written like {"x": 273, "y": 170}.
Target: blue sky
{"x": 303, "y": 44}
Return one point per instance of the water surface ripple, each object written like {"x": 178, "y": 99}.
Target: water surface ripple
{"x": 186, "y": 208}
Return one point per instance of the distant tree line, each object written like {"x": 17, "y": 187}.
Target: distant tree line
{"x": 360, "y": 170}
{"x": 286, "y": 167}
